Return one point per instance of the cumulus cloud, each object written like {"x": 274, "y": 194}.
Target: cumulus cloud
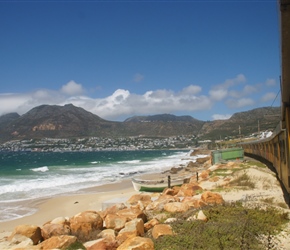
{"x": 247, "y": 90}
{"x": 268, "y": 97}
{"x": 221, "y": 116}
{"x": 72, "y": 88}
{"x": 122, "y": 103}
{"x": 239, "y": 103}
{"x": 221, "y": 91}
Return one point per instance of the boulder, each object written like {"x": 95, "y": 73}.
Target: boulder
{"x": 204, "y": 174}
{"x": 99, "y": 244}
{"x": 132, "y": 228}
{"x": 176, "y": 207}
{"x": 137, "y": 243}
{"x": 58, "y": 242}
{"x": 114, "y": 209}
{"x": 161, "y": 229}
{"x": 115, "y": 222}
{"x": 132, "y": 213}
{"x": 60, "y": 220}
{"x": 31, "y": 231}
{"x": 86, "y": 225}
{"x": 203, "y": 159}
{"x": 188, "y": 189}
{"x": 158, "y": 205}
{"x": 150, "y": 224}
{"x": 19, "y": 242}
{"x": 194, "y": 202}
{"x": 212, "y": 198}
{"x": 144, "y": 198}
{"x": 49, "y": 230}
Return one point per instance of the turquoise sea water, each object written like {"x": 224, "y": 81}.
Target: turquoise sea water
{"x": 25, "y": 176}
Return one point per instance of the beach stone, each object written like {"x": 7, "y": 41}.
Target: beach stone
{"x": 132, "y": 228}
{"x": 137, "y": 243}
{"x": 203, "y": 159}
{"x": 58, "y": 242}
{"x": 115, "y": 222}
{"x": 108, "y": 234}
{"x": 212, "y": 198}
{"x": 110, "y": 238}
{"x": 192, "y": 164}
{"x": 188, "y": 189}
{"x": 150, "y": 224}
{"x": 49, "y": 230}
{"x": 99, "y": 244}
{"x": 114, "y": 209}
{"x": 31, "y": 231}
{"x": 158, "y": 205}
{"x": 20, "y": 241}
{"x": 132, "y": 213}
{"x": 161, "y": 229}
{"x": 144, "y": 198}
{"x": 176, "y": 207}
{"x": 86, "y": 225}
{"x": 199, "y": 216}
{"x": 204, "y": 174}
{"x": 194, "y": 202}
{"x": 60, "y": 220}
{"x": 169, "y": 191}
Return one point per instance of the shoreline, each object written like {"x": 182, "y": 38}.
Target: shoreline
{"x": 68, "y": 205}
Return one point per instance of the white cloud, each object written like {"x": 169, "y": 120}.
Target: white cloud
{"x": 72, "y": 88}
{"x": 247, "y": 90}
{"x": 218, "y": 94}
{"x": 221, "y": 116}
{"x": 270, "y": 82}
{"x": 239, "y": 103}
{"x": 221, "y": 91}
{"x": 138, "y": 77}
{"x": 123, "y": 103}
{"x": 268, "y": 97}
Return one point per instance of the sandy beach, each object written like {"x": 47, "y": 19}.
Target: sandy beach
{"x": 69, "y": 205}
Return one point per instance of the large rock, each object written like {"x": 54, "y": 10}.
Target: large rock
{"x": 99, "y": 244}
{"x": 132, "y": 228}
{"x": 49, "y": 230}
{"x": 132, "y": 213}
{"x": 31, "y": 231}
{"x": 150, "y": 224}
{"x": 86, "y": 225}
{"x": 158, "y": 205}
{"x": 194, "y": 202}
{"x": 145, "y": 199}
{"x": 58, "y": 242}
{"x": 188, "y": 189}
{"x": 160, "y": 230}
{"x": 176, "y": 207}
{"x": 212, "y": 198}
{"x": 115, "y": 222}
{"x": 137, "y": 243}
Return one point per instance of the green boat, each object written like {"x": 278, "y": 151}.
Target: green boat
{"x": 154, "y": 185}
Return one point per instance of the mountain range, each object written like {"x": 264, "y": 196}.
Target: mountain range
{"x": 70, "y": 121}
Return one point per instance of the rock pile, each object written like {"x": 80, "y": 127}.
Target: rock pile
{"x": 121, "y": 226}
{"x": 127, "y": 225}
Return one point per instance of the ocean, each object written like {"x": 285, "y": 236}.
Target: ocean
{"x": 26, "y": 176}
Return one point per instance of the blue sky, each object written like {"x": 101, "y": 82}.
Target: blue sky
{"x": 117, "y": 59}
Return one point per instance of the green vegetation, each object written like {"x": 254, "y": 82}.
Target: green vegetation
{"x": 76, "y": 246}
{"x": 230, "y": 226}
{"x": 244, "y": 181}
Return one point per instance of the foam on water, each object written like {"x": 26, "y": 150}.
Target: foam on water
{"x": 47, "y": 181}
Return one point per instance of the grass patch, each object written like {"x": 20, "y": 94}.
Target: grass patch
{"x": 76, "y": 246}
{"x": 244, "y": 180}
{"x": 228, "y": 227}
